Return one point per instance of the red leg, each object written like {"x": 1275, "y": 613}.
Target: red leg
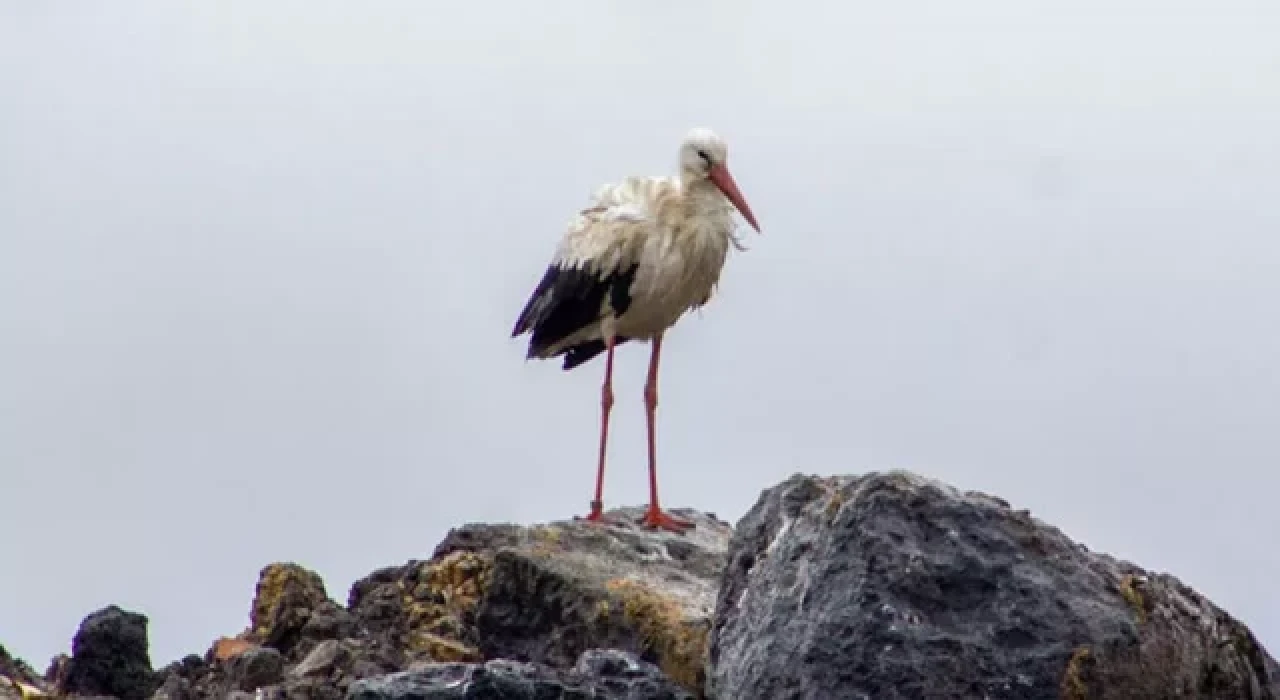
{"x": 606, "y": 405}
{"x": 655, "y": 517}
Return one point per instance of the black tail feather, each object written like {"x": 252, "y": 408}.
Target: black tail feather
{"x": 583, "y": 352}
{"x": 568, "y": 299}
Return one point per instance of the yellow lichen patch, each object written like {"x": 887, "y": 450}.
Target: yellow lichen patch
{"x": 680, "y": 644}
{"x": 275, "y": 581}
{"x": 548, "y": 534}
{"x": 1129, "y": 589}
{"x": 546, "y": 540}
{"x": 25, "y": 691}
{"x": 447, "y": 590}
{"x": 442, "y": 648}
{"x": 459, "y": 578}
{"x": 1074, "y": 686}
{"x": 834, "y": 504}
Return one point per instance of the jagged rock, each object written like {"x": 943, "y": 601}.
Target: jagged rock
{"x": 109, "y": 656}
{"x": 256, "y": 668}
{"x": 287, "y": 602}
{"x": 598, "y": 675}
{"x": 18, "y": 679}
{"x": 548, "y": 593}
{"x": 327, "y": 655}
{"x": 894, "y": 586}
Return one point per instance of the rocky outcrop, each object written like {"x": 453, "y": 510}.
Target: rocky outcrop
{"x": 598, "y": 675}
{"x": 18, "y": 680}
{"x": 877, "y": 586}
{"x": 561, "y": 599}
{"x": 109, "y": 657}
{"x": 895, "y": 586}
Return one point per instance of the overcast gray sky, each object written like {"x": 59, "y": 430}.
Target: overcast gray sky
{"x": 259, "y": 262}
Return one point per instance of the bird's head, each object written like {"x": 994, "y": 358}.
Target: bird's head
{"x": 704, "y": 156}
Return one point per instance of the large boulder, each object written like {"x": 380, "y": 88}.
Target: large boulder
{"x": 547, "y": 593}
{"x": 558, "y": 600}
{"x": 895, "y": 586}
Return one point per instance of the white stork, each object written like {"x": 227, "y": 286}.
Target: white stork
{"x": 644, "y": 251}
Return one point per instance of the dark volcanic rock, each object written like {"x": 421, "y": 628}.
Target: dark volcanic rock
{"x": 548, "y": 593}
{"x": 256, "y": 668}
{"x": 894, "y": 586}
{"x": 291, "y": 605}
{"x": 109, "y": 656}
{"x": 598, "y": 675}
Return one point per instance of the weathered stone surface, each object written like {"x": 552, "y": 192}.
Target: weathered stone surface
{"x": 18, "y": 679}
{"x": 893, "y": 586}
{"x": 548, "y": 593}
{"x": 598, "y": 675}
{"x": 285, "y": 605}
{"x": 109, "y": 656}
{"x": 256, "y": 668}
{"x": 322, "y": 660}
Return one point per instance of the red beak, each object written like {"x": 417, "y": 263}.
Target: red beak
{"x": 721, "y": 177}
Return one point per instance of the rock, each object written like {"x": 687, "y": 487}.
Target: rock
{"x": 321, "y": 660}
{"x": 174, "y": 687}
{"x": 895, "y": 586}
{"x": 109, "y": 656}
{"x": 598, "y": 675}
{"x": 287, "y": 599}
{"x": 18, "y": 679}
{"x": 227, "y": 648}
{"x": 255, "y": 668}
{"x": 548, "y": 593}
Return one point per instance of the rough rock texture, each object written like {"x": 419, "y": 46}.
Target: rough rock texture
{"x": 18, "y": 679}
{"x": 598, "y": 675}
{"x": 543, "y": 594}
{"x": 893, "y": 586}
{"x": 882, "y": 586}
{"x": 548, "y": 593}
{"x": 109, "y": 657}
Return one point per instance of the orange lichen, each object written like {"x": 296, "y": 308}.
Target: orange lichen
{"x": 227, "y": 648}
{"x": 679, "y": 644}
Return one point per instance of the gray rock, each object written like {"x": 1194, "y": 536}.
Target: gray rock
{"x": 109, "y": 656}
{"x": 173, "y": 687}
{"x": 256, "y": 668}
{"x": 290, "y": 606}
{"x": 321, "y": 660}
{"x": 598, "y": 675}
{"x": 894, "y": 586}
{"x": 328, "y": 621}
{"x": 547, "y": 593}
{"x": 17, "y": 669}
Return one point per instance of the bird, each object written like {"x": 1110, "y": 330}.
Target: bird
{"x": 640, "y": 254}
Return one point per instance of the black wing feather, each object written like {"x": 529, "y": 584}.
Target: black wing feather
{"x": 568, "y": 299}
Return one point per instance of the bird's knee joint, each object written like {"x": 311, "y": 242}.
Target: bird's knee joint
{"x": 606, "y": 398}
{"x": 651, "y": 397}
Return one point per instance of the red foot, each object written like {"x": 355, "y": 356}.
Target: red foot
{"x": 595, "y": 516}
{"x": 656, "y": 518}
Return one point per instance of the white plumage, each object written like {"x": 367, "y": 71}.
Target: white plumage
{"x": 645, "y": 251}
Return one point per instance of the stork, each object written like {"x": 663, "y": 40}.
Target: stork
{"x": 642, "y": 253}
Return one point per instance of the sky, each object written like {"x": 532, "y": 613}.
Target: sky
{"x": 259, "y": 263}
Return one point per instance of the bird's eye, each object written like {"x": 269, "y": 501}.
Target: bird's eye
{"x": 703, "y": 154}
